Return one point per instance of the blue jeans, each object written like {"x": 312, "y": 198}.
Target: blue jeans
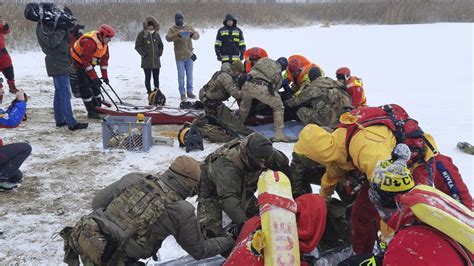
{"x": 185, "y": 66}
{"x": 62, "y": 100}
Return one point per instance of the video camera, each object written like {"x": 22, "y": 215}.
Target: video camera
{"x": 50, "y": 14}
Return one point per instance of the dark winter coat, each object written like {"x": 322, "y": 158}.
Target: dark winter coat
{"x": 55, "y": 44}
{"x": 150, "y": 46}
{"x": 178, "y": 218}
{"x": 230, "y": 43}
{"x": 231, "y": 180}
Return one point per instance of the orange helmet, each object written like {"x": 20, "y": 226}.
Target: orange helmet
{"x": 106, "y": 31}
{"x": 295, "y": 65}
{"x": 343, "y": 73}
{"x": 254, "y": 54}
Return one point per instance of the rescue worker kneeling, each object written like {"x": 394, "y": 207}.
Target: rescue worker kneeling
{"x": 133, "y": 216}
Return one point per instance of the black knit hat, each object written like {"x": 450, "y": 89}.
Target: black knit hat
{"x": 283, "y": 62}
{"x": 314, "y": 73}
{"x": 179, "y": 19}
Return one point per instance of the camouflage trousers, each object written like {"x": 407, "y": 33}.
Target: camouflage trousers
{"x": 320, "y": 116}
{"x": 252, "y": 91}
{"x": 209, "y": 214}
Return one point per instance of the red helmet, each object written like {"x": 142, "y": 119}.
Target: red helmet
{"x": 254, "y": 54}
{"x": 343, "y": 73}
{"x": 295, "y": 65}
{"x": 106, "y": 31}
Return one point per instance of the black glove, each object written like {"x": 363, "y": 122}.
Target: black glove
{"x": 96, "y": 83}
{"x": 106, "y": 80}
{"x": 233, "y": 230}
{"x": 241, "y": 56}
{"x": 219, "y": 57}
{"x": 193, "y": 57}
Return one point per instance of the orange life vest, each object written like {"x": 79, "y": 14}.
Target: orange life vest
{"x": 307, "y": 65}
{"x": 76, "y": 50}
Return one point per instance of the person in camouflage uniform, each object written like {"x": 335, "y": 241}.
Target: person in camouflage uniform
{"x": 133, "y": 216}
{"x": 320, "y": 102}
{"x": 229, "y": 180}
{"x": 222, "y": 85}
{"x": 263, "y": 83}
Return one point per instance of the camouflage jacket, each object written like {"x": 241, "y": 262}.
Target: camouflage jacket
{"x": 322, "y": 89}
{"x": 221, "y": 86}
{"x": 172, "y": 216}
{"x": 267, "y": 70}
{"x": 229, "y": 178}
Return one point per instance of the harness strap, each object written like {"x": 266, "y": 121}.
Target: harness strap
{"x": 282, "y": 202}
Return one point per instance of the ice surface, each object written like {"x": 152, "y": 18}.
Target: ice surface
{"x": 428, "y": 69}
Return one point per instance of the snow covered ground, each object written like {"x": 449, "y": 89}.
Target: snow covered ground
{"x": 428, "y": 69}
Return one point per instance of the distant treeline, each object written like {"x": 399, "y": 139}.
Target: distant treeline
{"x": 128, "y": 15}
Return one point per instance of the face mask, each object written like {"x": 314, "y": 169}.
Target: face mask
{"x": 151, "y": 31}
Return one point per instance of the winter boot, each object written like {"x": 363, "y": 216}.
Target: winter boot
{"x": 183, "y": 97}
{"x": 7, "y": 186}
{"x": 91, "y": 113}
{"x": 191, "y": 95}
{"x": 78, "y": 126}
{"x": 16, "y": 178}
{"x": 280, "y": 137}
{"x": 11, "y": 86}
{"x": 97, "y": 101}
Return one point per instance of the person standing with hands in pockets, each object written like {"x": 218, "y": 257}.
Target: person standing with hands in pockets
{"x": 182, "y": 35}
{"x": 150, "y": 47}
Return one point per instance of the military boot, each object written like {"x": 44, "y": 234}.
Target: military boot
{"x": 91, "y": 113}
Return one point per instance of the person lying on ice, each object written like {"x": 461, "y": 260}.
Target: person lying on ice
{"x": 427, "y": 227}
{"x": 12, "y": 155}
{"x": 366, "y": 136}
{"x": 311, "y": 222}
{"x": 133, "y": 216}
{"x": 229, "y": 180}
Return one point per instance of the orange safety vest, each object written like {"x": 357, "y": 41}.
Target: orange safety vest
{"x": 307, "y": 65}
{"x": 76, "y": 50}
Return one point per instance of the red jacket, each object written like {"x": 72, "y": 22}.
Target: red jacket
{"x": 89, "y": 48}
{"x": 311, "y": 222}
{"x": 446, "y": 177}
{"x": 4, "y": 29}
{"x": 356, "y": 91}
{"x": 423, "y": 245}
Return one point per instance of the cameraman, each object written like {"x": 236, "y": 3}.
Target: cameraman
{"x": 55, "y": 44}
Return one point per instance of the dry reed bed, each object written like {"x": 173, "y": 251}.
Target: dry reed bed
{"x": 127, "y": 17}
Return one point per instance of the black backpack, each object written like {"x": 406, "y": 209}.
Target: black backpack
{"x": 51, "y": 15}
